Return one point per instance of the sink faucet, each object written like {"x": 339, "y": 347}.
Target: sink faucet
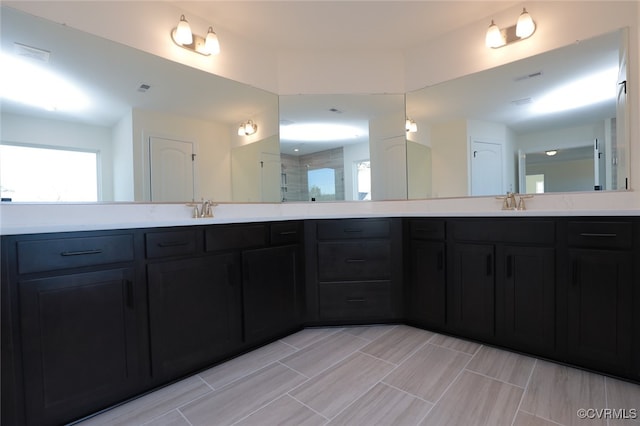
{"x": 205, "y": 209}
{"x": 509, "y": 201}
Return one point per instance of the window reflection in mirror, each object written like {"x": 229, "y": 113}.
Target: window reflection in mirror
{"x": 559, "y": 100}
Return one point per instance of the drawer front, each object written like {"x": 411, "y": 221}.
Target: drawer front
{"x": 63, "y": 253}
{"x": 616, "y": 235}
{"x": 355, "y": 300}
{"x": 424, "y": 229}
{"x": 227, "y": 237}
{"x": 512, "y": 231}
{"x": 354, "y": 260}
{"x": 286, "y": 232}
{"x": 347, "y": 229}
{"x": 171, "y": 243}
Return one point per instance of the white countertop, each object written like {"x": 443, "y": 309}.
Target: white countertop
{"x": 30, "y": 218}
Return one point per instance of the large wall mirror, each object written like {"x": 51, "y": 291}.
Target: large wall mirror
{"x": 88, "y": 119}
{"x": 554, "y": 122}
{"x": 342, "y": 147}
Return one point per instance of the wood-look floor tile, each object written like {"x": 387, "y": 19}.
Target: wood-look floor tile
{"x": 556, "y": 392}
{"x": 395, "y": 347}
{"x": 476, "y": 400}
{"x": 455, "y": 344}
{"x": 527, "y": 419}
{"x": 304, "y": 338}
{"x": 152, "y": 405}
{"x": 243, "y": 365}
{"x": 383, "y": 405}
{"x": 502, "y": 365}
{"x": 242, "y": 397}
{"x": 284, "y": 411}
{"x": 333, "y": 390}
{"x": 324, "y": 353}
{"x": 428, "y": 372}
{"x": 172, "y": 418}
{"x": 369, "y": 332}
{"x": 623, "y": 395}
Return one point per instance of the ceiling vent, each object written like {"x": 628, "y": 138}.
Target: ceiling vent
{"x": 520, "y": 102}
{"x": 528, "y": 76}
{"x": 31, "y": 52}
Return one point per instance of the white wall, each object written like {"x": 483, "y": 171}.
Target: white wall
{"x": 449, "y": 156}
{"x": 246, "y": 177}
{"x": 123, "y": 182}
{"x": 352, "y": 154}
{"x": 212, "y": 147}
{"x": 63, "y": 134}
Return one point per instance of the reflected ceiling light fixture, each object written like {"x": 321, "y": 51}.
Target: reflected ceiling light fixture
{"x": 524, "y": 28}
{"x": 183, "y": 37}
{"x": 551, "y": 152}
{"x": 410, "y": 126}
{"x": 248, "y": 128}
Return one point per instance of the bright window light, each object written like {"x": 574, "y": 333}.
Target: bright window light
{"x": 590, "y": 90}
{"x": 32, "y": 174}
{"x": 316, "y": 132}
{"x": 26, "y": 82}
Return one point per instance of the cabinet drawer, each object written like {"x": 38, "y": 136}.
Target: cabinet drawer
{"x": 62, "y": 253}
{"x": 355, "y": 300}
{"x": 353, "y": 229}
{"x": 354, "y": 260}
{"x": 513, "y": 231}
{"x": 425, "y": 229}
{"x": 286, "y": 232}
{"x": 600, "y": 234}
{"x": 227, "y": 237}
{"x": 171, "y": 243}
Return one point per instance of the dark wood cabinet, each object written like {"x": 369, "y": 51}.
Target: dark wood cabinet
{"x": 74, "y": 325}
{"x": 271, "y": 292}
{"x": 526, "y": 299}
{"x": 194, "y": 313}
{"x": 599, "y": 291}
{"x": 425, "y": 293}
{"x": 472, "y": 289}
{"x": 354, "y": 271}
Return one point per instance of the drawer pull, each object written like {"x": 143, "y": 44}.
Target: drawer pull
{"x": 356, "y": 300}
{"x": 173, "y": 244}
{"x": 80, "y": 252}
{"x": 129, "y": 294}
{"x": 353, "y": 230}
{"x": 288, "y": 232}
{"x": 597, "y": 235}
{"x": 354, "y": 260}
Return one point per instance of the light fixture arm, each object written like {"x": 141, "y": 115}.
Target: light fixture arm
{"x": 196, "y": 46}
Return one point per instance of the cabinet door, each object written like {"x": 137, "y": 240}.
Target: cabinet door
{"x": 526, "y": 299}
{"x": 79, "y": 343}
{"x": 472, "y": 290}
{"x": 194, "y": 309}
{"x": 426, "y": 295}
{"x": 270, "y": 292}
{"x": 600, "y": 309}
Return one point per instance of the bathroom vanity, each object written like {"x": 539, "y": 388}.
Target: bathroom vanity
{"x": 92, "y": 318}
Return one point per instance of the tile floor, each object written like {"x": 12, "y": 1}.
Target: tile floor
{"x": 381, "y": 375}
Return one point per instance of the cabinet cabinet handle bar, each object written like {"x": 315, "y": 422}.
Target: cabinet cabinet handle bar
{"x": 354, "y": 260}
{"x": 356, "y": 300}
{"x": 597, "y": 235}
{"x": 353, "y": 230}
{"x": 173, "y": 244}
{"x": 288, "y": 232}
{"x": 80, "y": 252}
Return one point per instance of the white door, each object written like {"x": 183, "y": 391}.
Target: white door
{"x": 171, "y": 170}
{"x": 270, "y": 171}
{"x": 486, "y": 168}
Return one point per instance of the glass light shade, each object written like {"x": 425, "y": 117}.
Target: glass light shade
{"x": 250, "y": 128}
{"x": 525, "y": 26}
{"x": 211, "y": 43}
{"x": 494, "y": 37}
{"x": 551, "y": 152}
{"x": 183, "y": 32}
{"x": 241, "y": 130}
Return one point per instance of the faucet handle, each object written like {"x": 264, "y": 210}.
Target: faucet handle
{"x": 521, "y": 204}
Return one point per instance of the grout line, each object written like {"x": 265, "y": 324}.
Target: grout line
{"x": 294, "y": 370}
{"x": 524, "y": 392}
{"x": 183, "y": 416}
{"x": 205, "y": 382}
{"x": 543, "y": 418}
{"x": 606, "y": 397}
{"x": 309, "y": 407}
{"x": 480, "y": 345}
{"x": 419, "y": 398}
{"x": 495, "y": 379}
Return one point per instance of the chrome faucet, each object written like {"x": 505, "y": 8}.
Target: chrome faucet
{"x": 205, "y": 210}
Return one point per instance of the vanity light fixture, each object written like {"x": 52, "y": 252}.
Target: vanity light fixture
{"x": 551, "y": 152}
{"x": 410, "y": 126}
{"x": 524, "y": 28}
{"x": 248, "y": 128}
{"x": 183, "y": 37}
